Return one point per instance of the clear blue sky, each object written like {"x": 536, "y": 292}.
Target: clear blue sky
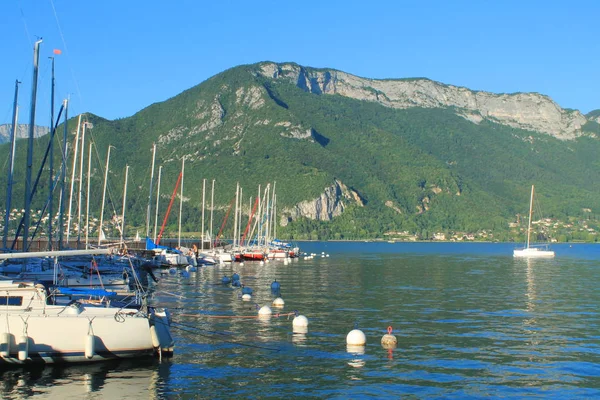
{"x": 119, "y": 56}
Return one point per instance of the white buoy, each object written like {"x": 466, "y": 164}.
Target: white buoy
{"x": 89, "y": 346}
{"x": 300, "y": 321}
{"x": 278, "y": 302}
{"x": 389, "y": 341}
{"x": 356, "y": 337}
{"x": 246, "y": 297}
{"x": 265, "y": 310}
{"x": 241, "y": 264}
{"x": 23, "y": 348}
{"x": 301, "y": 330}
{"x": 5, "y": 344}
{"x": 261, "y": 262}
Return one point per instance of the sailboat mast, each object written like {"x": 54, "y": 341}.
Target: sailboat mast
{"x": 157, "y": 199}
{"x": 150, "y": 192}
{"x": 51, "y": 162}
{"x": 203, "y": 202}
{"x": 530, "y": 215}
{"x": 75, "y": 152}
{"x": 181, "y": 201}
{"x": 79, "y": 205}
{"x": 63, "y": 176}
{"x": 212, "y": 199}
{"x": 36, "y": 58}
{"x": 87, "y": 198}
{"x": 235, "y": 214}
{"x": 103, "y": 197}
{"x": 11, "y": 163}
{"x": 124, "y": 204}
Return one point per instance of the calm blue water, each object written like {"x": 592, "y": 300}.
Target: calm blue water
{"x": 471, "y": 322}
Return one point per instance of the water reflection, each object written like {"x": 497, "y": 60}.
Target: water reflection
{"x": 131, "y": 379}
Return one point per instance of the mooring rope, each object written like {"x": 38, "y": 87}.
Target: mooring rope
{"x": 275, "y": 315}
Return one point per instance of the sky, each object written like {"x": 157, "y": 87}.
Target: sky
{"x": 120, "y": 56}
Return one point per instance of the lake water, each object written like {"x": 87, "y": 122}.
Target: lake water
{"x": 471, "y": 322}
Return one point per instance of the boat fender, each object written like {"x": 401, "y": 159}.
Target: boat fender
{"x": 23, "y": 347}
{"x": 154, "y": 336}
{"x": 89, "y": 346}
{"x": 5, "y": 344}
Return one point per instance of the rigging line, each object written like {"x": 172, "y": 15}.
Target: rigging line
{"x": 25, "y": 26}
{"x": 195, "y": 328}
{"x": 64, "y": 42}
{"x": 195, "y": 332}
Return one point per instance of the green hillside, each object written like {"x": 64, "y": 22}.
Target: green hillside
{"x": 438, "y": 171}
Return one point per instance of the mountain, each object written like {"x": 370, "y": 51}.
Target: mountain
{"x": 354, "y": 157}
{"x": 22, "y": 132}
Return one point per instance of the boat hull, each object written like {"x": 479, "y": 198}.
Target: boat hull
{"x": 533, "y": 253}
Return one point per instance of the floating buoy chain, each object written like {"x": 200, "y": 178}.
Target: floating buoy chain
{"x": 184, "y": 328}
{"x": 233, "y": 316}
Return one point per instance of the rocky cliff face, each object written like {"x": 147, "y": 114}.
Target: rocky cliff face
{"x": 22, "y": 131}
{"x": 329, "y": 204}
{"x": 530, "y": 111}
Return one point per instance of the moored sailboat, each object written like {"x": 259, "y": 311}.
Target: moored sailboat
{"x": 530, "y": 251}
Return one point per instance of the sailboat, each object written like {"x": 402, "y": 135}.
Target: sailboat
{"x": 36, "y": 328}
{"x": 530, "y": 251}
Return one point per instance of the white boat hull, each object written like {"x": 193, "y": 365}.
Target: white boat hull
{"x": 76, "y": 332}
{"x": 533, "y": 252}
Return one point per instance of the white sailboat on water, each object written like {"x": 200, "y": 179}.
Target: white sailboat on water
{"x": 530, "y": 251}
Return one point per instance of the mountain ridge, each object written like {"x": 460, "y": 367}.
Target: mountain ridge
{"x": 346, "y": 166}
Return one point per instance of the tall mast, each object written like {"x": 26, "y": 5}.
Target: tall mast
{"x": 272, "y": 214}
{"x": 63, "y": 176}
{"x": 203, "y": 195}
{"x": 181, "y": 201}
{"x": 51, "y": 162}
{"x": 157, "y": 198}
{"x": 150, "y": 192}
{"x": 79, "y": 205}
{"x": 530, "y": 215}
{"x": 103, "y": 196}
{"x": 87, "y": 198}
{"x": 75, "y": 152}
{"x": 124, "y": 204}
{"x": 212, "y": 198}
{"x": 11, "y": 163}
{"x": 239, "y": 229}
{"x": 36, "y": 58}
{"x": 235, "y": 214}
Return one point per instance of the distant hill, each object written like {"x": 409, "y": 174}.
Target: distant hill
{"x": 22, "y": 131}
{"x": 353, "y": 157}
